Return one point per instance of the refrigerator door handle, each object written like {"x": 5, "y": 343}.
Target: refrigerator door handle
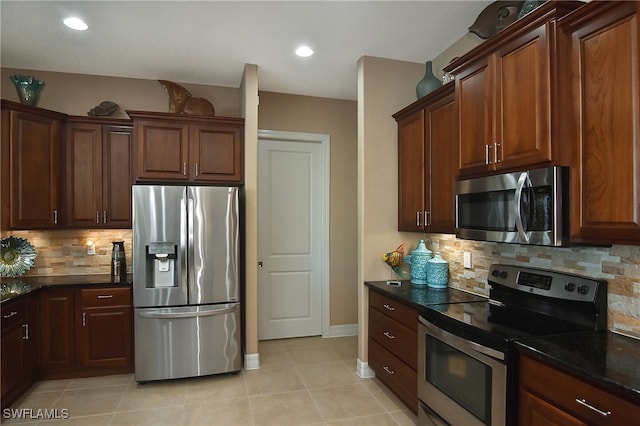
{"x": 171, "y": 315}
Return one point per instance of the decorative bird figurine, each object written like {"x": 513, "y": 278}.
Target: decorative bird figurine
{"x": 394, "y": 259}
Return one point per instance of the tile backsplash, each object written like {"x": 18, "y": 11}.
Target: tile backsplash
{"x": 64, "y": 252}
{"x": 619, "y": 265}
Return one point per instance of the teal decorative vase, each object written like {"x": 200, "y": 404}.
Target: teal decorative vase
{"x": 28, "y": 88}
{"x": 419, "y": 261}
{"x": 429, "y": 82}
{"x": 438, "y": 272}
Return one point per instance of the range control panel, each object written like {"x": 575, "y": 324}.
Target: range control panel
{"x": 547, "y": 283}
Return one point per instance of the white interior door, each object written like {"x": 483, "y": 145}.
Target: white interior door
{"x": 291, "y": 237}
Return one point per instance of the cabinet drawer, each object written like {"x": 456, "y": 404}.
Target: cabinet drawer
{"x": 395, "y": 337}
{"x": 394, "y": 309}
{"x": 105, "y": 296}
{"x": 402, "y": 380}
{"x": 565, "y": 392}
{"x": 13, "y": 312}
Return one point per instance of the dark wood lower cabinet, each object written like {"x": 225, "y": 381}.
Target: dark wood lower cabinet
{"x": 19, "y": 345}
{"x": 549, "y": 396}
{"x": 86, "y": 332}
{"x": 105, "y": 335}
{"x": 393, "y": 346}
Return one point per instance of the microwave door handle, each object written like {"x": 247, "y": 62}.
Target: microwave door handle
{"x": 522, "y": 180}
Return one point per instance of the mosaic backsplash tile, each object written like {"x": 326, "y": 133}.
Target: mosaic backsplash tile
{"x": 64, "y": 252}
{"x": 619, "y": 265}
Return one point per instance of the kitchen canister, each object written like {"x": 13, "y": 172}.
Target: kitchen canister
{"x": 438, "y": 272}
{"x": 419, "y": 261}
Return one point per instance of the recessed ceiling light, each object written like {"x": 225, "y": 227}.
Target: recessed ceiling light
{"x": 304, "y": 51}
{"x": 75, "y": 23}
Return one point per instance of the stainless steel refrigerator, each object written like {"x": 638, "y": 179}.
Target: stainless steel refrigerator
{"x": 186, "y": 287}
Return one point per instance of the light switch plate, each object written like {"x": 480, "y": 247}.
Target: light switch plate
{"x": 91, "y": 250}
{"x": 467, "y": 260}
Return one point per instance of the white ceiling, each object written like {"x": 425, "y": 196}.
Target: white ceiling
{"x": 209, "y": 42}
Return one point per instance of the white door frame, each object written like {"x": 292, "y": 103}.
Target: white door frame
{"x": 325, "y": 141}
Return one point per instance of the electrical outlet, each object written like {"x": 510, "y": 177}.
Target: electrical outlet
{"x": 91, "y": 249}
{"x": 467, "y": 260}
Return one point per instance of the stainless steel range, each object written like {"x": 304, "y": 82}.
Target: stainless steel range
{"x": 467, "y": 370}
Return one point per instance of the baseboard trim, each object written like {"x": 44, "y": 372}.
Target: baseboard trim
{"x": 252, "y": 361}
{"x": 343, "y": 330}
{"x": 364, "y": 371}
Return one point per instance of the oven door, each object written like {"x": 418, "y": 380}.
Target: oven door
{"x": 462, "y": 382}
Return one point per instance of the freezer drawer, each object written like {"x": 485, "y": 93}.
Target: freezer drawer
{"x": 187, "y": 341}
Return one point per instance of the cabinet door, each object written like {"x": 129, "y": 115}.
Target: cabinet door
{"x": 216, "y": 153}
{"x": 605, "y": 167}
{"x": 411, "y": 172}
{"x": 57, "y": 330}
{"x": 474, "y": 101}
{"x": 84, "y": 175}
{"x": 105, "y": 337}
{"x": 439, "y": 190}
{"x": 116, "y": 178}
{"x": 34, "y": 164}
{"x": 534, "y": 411}
{"x": 13, "y": 357}
{"x": 521, "y": 135}
{"x": 162, "y": 150}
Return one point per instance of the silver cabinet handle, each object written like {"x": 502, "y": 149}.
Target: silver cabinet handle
{"x": 26, "y": 331}
{"x": 388, "y": 370}
{"x": 584, "y": 403}
{"x": 388, "y": 307}
{"x": 12, "y": 314}
{"x": 104, "y": 216}
{"x": 496, "y": 145}
{"x": 184, "y": 169}
{"x": 84, "y": 319}
{"x": 418, "y": 218}
{"x": 55, "y": 217}
{"x": 97, "y": 216}
{"x": 389, "y": 335}
{"x": 197, "y": 169}
{"x": 487, "y": 148}
{"x": 105, "y": 296}
{"x": 427, "y": 218}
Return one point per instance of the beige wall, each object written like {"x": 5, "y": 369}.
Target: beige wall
{"x": 76, "y": 94}
{"x": 337, "y": 118}
{"x": 384, "y": 87}
{"x": 63, "y": 252}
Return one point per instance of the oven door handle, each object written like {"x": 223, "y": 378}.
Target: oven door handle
{"x": 522, "y": 180}
{"x": 460, "y": 342}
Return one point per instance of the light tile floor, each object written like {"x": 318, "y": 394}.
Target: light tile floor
{"x": 306, "y": 381}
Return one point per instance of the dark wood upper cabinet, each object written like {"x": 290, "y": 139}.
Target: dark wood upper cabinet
{"x": 31, "y": 173}
{"x": 426, "y": 172}
{"x": 98, "y": 167}
{"x": 603, "y": 122}
{"x": 171, "y": 147}
{"x": 506, "y": 94}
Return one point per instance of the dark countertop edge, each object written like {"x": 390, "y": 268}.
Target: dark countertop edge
{"x": 531, "y": 347}
{"x": 399, "y": 293}
{"x": 64, "y": 281}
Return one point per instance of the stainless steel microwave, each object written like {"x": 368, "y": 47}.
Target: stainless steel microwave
{"x": 528, "y": 207}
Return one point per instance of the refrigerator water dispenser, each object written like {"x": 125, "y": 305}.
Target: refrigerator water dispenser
{"x": 161, "y": 256}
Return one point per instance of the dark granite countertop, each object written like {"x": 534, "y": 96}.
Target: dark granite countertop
{"x": 603, "y": 358}
{"x": 35, "y": 283}
{"x": 420, "y": 297}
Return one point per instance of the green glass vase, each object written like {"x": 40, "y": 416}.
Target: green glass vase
{"x": 429, "y": 82}
{"x": 28, "y": 88}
